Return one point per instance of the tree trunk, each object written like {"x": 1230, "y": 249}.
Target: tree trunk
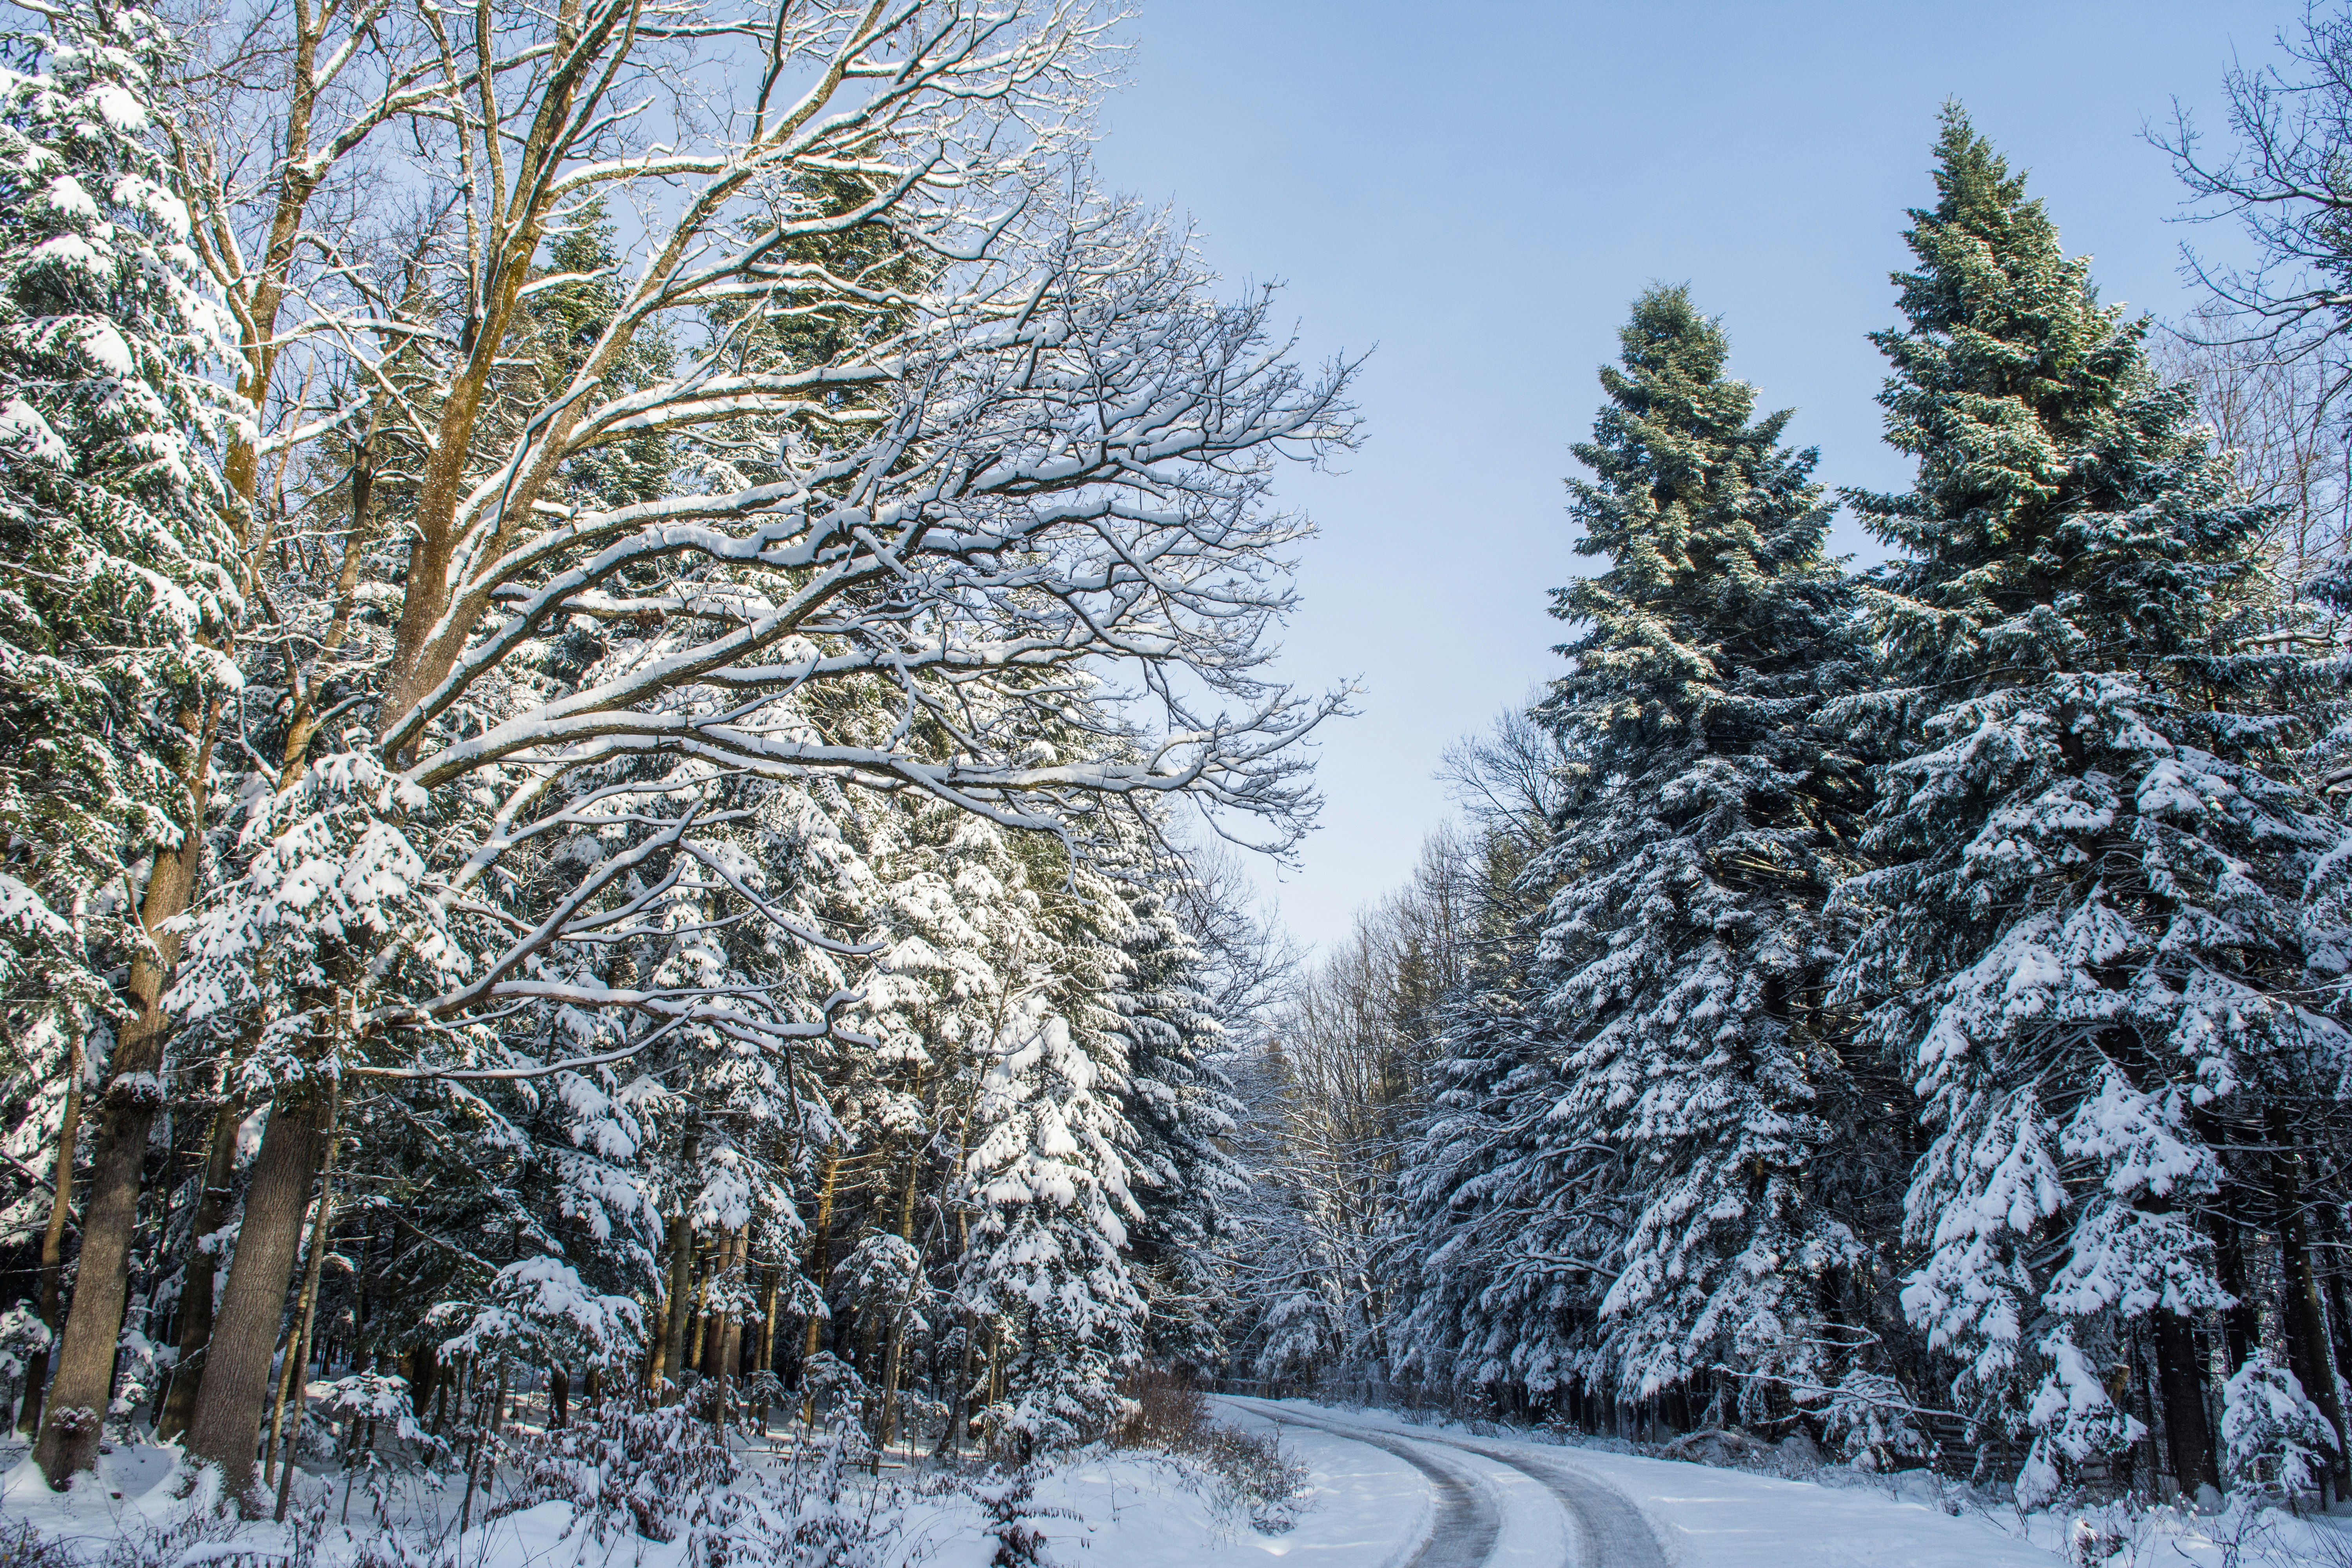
{"x": 84, "y": 1377}
{"x": 730, "y": 1321}
{"x": 2242, "y": 1322}
{"x": 2187, "y": 1433}
{"x": 53, "y": 1241}
{"x": 693, "y": 1355}
{"x": 681, "y": 1296}
{"x": 204, "y": 1268}
{"x": 649, "y": 1373}
{"x": 245, "y": 1334}
{"x": 766, "y": 1354}
{"x": 893, "y": 1358}
{"x": 425, "y": 1361}
{"x": 2303, "y": 1315}
{"x": 307, "y": 1313}
{"x": 559, "y": 1397}
{"x": 820, "y": 1273}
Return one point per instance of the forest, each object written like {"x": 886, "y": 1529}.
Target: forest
{"x": 638, "y": 698}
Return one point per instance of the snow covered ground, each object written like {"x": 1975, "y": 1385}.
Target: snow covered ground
{"x": 1364, "y": 1508}
{"x": 1709, "y": 1518}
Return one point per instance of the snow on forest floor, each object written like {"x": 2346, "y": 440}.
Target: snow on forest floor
{"x": 1706, "y": 1517}
{"x": 1362, "y": 1508}
{"x": 1120, "y": 1508}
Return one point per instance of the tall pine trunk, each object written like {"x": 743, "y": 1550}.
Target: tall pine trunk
{"x": 84, "y": 1383}
{"x": 681, "y": 1297}
{"x": 244, "y": 1335}
{"x": 735, "y": 1254}
{"x": 2241, "y": 1320}
{"x": 2181, "y": 1379}
{"x": 820, "y": 1273}
{"x": 204, "y": 1268}
{"x": 53, "y": 1240}
{"x": 2302, "y": 1314}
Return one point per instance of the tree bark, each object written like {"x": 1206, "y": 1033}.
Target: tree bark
{"x": 730, "y": 1321}
{"x": 84, "y": 1377}
{"x": 821, "y": 1273}
{"x": 2241, "y": 1322}
{"x": 693, "y": 1355}
{"x": 424, "y": 1379}
{"x": 681, "y": 1296}
{"x": 236, "y": 1375}
{"x": 893, "y": 1358}
{"x": 2181, "y": 1379}
{"x": 765, "y": 1360}
{"x": 2303, "y": 1315}
{"x": 307, "y": 1314}
{"x": 649, "y": 1373}
{"x": 53, "y": 1241}
{"x": 204, "y": 1268}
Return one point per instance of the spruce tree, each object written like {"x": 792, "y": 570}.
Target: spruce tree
{"x": 2081, "y": 933}
{"x": 116, "y": 586}
{"x": 1682, "y": 950}
{"x": 1181, "y": 1113}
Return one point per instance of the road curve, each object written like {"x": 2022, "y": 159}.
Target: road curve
{"x": 1468, "y": 1518}
{"x": 1612, "y": 1532}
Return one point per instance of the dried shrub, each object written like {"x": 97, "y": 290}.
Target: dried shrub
{"x": 651, "y": 1464}
{"x": 1171, "y": 1415}
{"x": 1170, "y": 1411}
{"x": 22, "y": 1546}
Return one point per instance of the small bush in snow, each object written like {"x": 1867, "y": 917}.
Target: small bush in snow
{"x": 2271, "y": 1435}
{"x": 1168, "y": 1412}
{"x": 648, "y": 1465}
{"x": 1874, "y": 1425}
{"x": 1009, "y": 1497}
{"x": 22, "y": 1546}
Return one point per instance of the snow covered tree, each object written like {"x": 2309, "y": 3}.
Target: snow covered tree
{"x": 1044, "y": 1269}
{"x": 1478, "y": 1180}
{"x": 1684, "y": 947}
{"x": 2082, "y": 929}
{"x": 118, "y": 595}
{"x": 116, "y": 559}
{"x": 1181, "y": 1112}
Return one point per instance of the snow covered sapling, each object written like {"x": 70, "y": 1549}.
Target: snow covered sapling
{"x": 1049, "y": 1185}
{"x": 1871, "y": 1418}
{"x": 2272, "y": 1436}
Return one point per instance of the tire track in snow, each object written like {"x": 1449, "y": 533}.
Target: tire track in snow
{"x": 1610, "y": 1531}
{"x": 1468, "y": 1517}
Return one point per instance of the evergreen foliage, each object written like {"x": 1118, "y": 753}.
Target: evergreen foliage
{"x": 680, "y": 889}
{"x": 2081, "y": 931}
{"x": 118, "y": 592}
{"x": 1682, "y": 950}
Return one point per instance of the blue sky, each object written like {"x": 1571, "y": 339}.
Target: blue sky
{"x": 1478, "y": 191}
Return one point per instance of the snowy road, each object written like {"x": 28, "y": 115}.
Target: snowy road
{"x": 1607, "y": 1530}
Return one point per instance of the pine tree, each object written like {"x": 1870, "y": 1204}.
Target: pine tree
{"x": 1682, "y": 950}
{"x": 2081, "y": 934}
{"x": 1495, "y": 1237}
{"x": 1181, "y": 1110}
{"x": 116, "y": 558}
